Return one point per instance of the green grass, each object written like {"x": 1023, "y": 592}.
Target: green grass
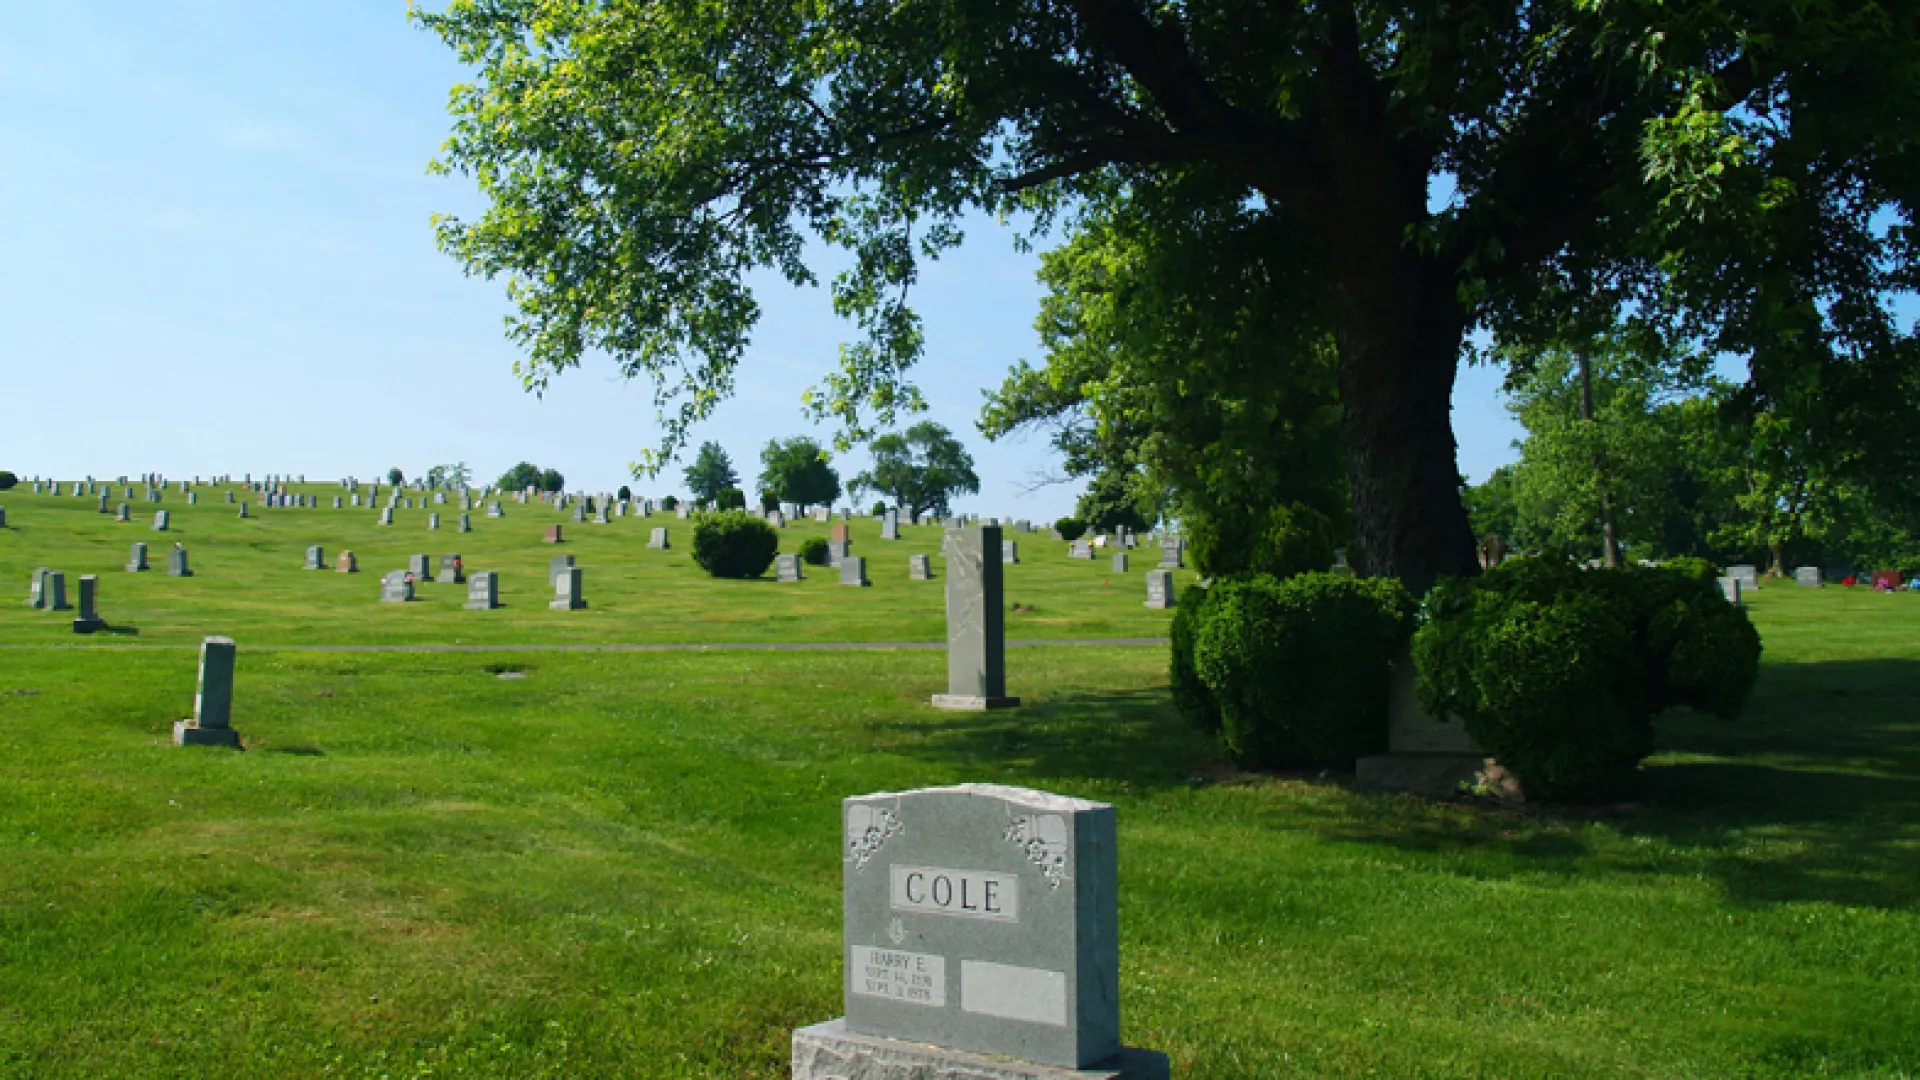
{"x": 248, "y": 583}
{"x": 627, "y": 864}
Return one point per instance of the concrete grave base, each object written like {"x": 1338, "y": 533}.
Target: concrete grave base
{"x": 188, "y": 733}
{"x": 88, "y": 626}
{"x": 1432, "y": 775}
{"x": 830, "y": 1052}
{"x": 970, "y": 703}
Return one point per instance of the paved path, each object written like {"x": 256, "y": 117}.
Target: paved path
{"x": 780, "y": 646}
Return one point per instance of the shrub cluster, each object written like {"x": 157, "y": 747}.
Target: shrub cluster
{"x": 1290, "y": 671}
{"x": 813, "y": 550}
{"x": 1070, "y": 528}
{"x": 1558, "y": 672}
{"x": 730, "y": 498}
{"x": 670, "y": 503}
{"x": 880, "y": 508}
{"x": 734, "y": 544}
{"x": 7, "y": 480}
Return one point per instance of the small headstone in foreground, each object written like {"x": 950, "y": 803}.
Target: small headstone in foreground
{"x": 336, "y": 502}
{"x": 657, "y": 539}
{"x": 837, "y": 552}
{"x": 483, "y": 591}
{"x": 89, "y": 619}
{"x": 1171, "y": 551}
{"x": 553, "y": 535}
{"x": 137, "y": 559}
{"x": 161, "y": 520}
{"x": 890, "y": 525}
{"x": 920, "y": 567}
{"x": 37, "y": 589}
{"x": 395, "y": 588}
{"x": 567, "y": 594}
{"x": 452, "y": 571}
{"x": 193, "y": 498}
{"x": 316, "y": 558}
{"x": 787, "y": 568}
{"x": 853, "y": 571}
{"x": 386, "y": 515}
{"x": 980, "y": 941}
{"x": 177, "y": 562}
{"x": 1160, "y": 592}
{"x": 976, "y": 622}
{"x": 212, "y": 723}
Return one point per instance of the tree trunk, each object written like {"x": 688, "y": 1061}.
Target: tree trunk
{"x": 1609, "y": 537}
{"x": 1399, "y": 332}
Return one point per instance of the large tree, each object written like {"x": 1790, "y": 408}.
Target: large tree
{"x": 921, "y": 469}
{"x": 797, "y": 470}
{"x": 710, "y": 473}
{"x": 1437, "y": 166}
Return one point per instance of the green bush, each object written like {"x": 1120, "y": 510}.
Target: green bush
{"x": 734, "y": 544}
{"x": 730, "y": 498}
{"x": 879, "y": 509}
{"x": 1190, "y": 695}
{"x": 7, "y": 480}
{"x": 1693, "y": 566}
{"x": 1070, "y": 528}
{"x": 1558, "y": 672}
{"x": 625, "y": 494}
{"x": 670, "y": 503}
{"x": 1299, "y": 666}
{"x": 813, "y": 550}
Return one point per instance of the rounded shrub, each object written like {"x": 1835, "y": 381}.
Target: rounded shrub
{"x": 1693, "y": 566}
{"x": 880, "y": 509}
{"x": 1190, "y": 695}
{"x": 813, "y": 550}
{"x": 734, "y": 544}
{"x": 730, "y": 498}
{"x": 7, "y": 480}
{"x": 670, "y": 503}
{"x": 625, "y": 493}
{"x": 1558, "y": 672}
{"x": 1299, "y": 666}
{"x": 1070, "y": 528}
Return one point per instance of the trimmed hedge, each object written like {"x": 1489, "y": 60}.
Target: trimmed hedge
{"x": 1558, "y": 672}
{"x": 730, "y": 498}
{"x": 1070, "y": 528}
{"x": 1292, "y": 672}
{"x": 813, "y": 550}
{"x": 880, "y": 509}
{"x": 7, "y": 480}
{"x": 734, "y": 544}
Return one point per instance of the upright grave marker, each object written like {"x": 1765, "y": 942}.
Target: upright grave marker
{"x": 1807, "y": 577}
{"x": 1730, "y": 588}
{"x": 396, "y": 588}
{"x": 1009, "y": 551}
{"x": 919, "y": 567}
{"x": 177, "y": 562}
{"x": 853, "y": 571}
{"x": 890, "y": 526}
{"x": 452, "y": 570}
{"x": 54, "y": 596}
{"x": 466, "y": 523}
{"x": 567, "y": 592}
{"x": 348, "y": 563}
{"x": 137, "y": 559}
{"x": 122, "y": 513}
{"x": 980, "y": 941}
{"x": 556, "y": 566}
{"x": 787, "y": 568}
{"x": 1120, "y": 562}
{"x": 483, "y": 591}
{"x": 976, "y": 622}
{"x": 421, "y": 567}
{"x": 89, "y": 619}
{"x": 657, "y": 539}
{"x": 316, "y": 558}
{"x": 37, "y": 588}
{"x": 212, "y": 723}
{"x": 161, "y": 520}
{"x": 553, "y": 535}
{"x": 1160, "y": 594}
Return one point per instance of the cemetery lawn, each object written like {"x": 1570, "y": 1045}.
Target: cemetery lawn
{"x": 622, "y": 864}
{"x": 248, "y": 583}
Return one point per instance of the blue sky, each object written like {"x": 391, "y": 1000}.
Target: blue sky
{"x": 215, "y": 256}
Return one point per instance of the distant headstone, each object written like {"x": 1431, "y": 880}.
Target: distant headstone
{"x": 421, "y": 567}
{"x": 1807, "y": 577}
{"x": 212, "y": 723}
{"x": 890, "y": 525}
{"x": 919, "y": 567}
{"x": 37, "y": 588}
{"x": 494, "y": 511}
{"x": 433, "y": 522}
{"x": 1081, "y": 549}
{"x": 822, "y": 514}
{"x": 567, "y": 594}
{"x": 137, "y": 559}
{"x": 466, "y": 524}
{"x": 1009, "y": 551}
{"x": 976, "y": 622}
{"x": 657, "y": 539}
{"x": 177, "y": 563}
{"x": 557, "y": 566}
{"x": 1340, "y": 563}
{"x": 104, "y": 508}
{"x": 1119, "y": 562}
{"x": 853, "y": 571}
{"x": 1171, "y": 551}
{"x": 1749, "y": 575}
{"x": 579, "y": 514}
{"x": 54, "y": 598}
{"x": 483, "y": 591}
{"x": 316, "y": 558}
{"x": 837, "y": 552}
{"x": 681, "y": 512}
{"x": 122, "y": 513}
{"x": 452, "y": 571}
{"x": 1425, "y": 754}
{"x": 161, "y": 520}
{"x": 230, "y": 499}
{"x": 347, "y": 563}
{"x": 336, "y": 502}
{"x": 1160, "y": 592}
{"x": 787, "y": 568}
{"x": 89, "y": 618}
{"x": 386, "y": 515}
{"x": 553, "y": 535}
{"x": 981, "y": 942}
{"x": 396, "y": 588}
{"x": 839, "y": 532}
{"x": 1730, "y": 588}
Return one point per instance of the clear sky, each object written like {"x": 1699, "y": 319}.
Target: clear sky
{"x": 215, "y": 256}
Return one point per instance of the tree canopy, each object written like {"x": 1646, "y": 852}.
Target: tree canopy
{"x": 1424, "y": 168}
{"x": 711, "y": 471}
{"x": 528, "y": 475}
{"x": 798, "y": 471}
{"x": 921, "y": 470}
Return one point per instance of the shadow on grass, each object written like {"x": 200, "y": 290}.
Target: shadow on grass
{"x": 1813, "y": 794}
{"x": 1133, "y": 737}
{"x": 296, "y": 751}
{"x": 120, "y": 631}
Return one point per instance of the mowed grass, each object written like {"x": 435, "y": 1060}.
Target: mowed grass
{"x": 248, "y": 583}
{"x": 628, "y": 865}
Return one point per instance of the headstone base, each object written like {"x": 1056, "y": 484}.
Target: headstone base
{"x": 88, "y": 626}
{"x": 969, "y": 703}
{"x": 830, "y": 1052}
{"x": 188, "y": 733}
{"x": 1431, "y": 775}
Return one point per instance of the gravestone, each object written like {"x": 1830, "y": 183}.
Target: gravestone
{"x": 1120, "y": 562}
{"x": 494, "y": 511}
{"x": 243, "y": 513}
{"x": 137, "y": 559}
{"x": 1807, "y": 577}
{"x": 439, "y": 498}
{"x": 37, "y": 588}
{"x": 839, "y": 533}
{"x": 177, "y": 563}
{"x": 681, "y": 512}
{"x": 1081, "y": 549}
{"x": 1009, "y": 551}
{"x": 316, "y": 558}
{"x": 483, "y": 591}
{"x": 920, "y": 567}
{"x": 579, "y": 514}
{"x": 104, "y": 508}
{"x": 1172, "y": 550}
{"x": 837, "y": 552}
{"x": 54, "y": 594}
{"x": 336, "y": 502}
{"x": 386, "y": 515}
{"x": 212, "y": 723}
{"x": 558, "y": 565}
{"x": 657, "y": 539}
{"x": 1425, "y": 754}
{"x": 122, "y": 513}
{"x": 980, "y": 938}
{"x": 466, "y": 524}
{"x": 976, "y": 622}
{"x": 1749, "y": 575}
{"x": 787, "y": 568}
{"x": 822, "y": 514}
{"x": 347, "y": 563}
{"x": 890, "y": 526}
{"x": 1160, "y": 593}
{"x": 355, "y": 500}
{"x": 853, "y": 571}
{"x": 421, "y": 567}
{"x": 1340, "y": 563}
{"x": 161, "y": 520}
{"x": 433, "y": 522}
{"x": 452, "y": 571}
{"x": 230, "y": 498}
{"x": 777, "y": 519}
{"x": 1730, "y": 588}
{"x": 3, "y": 517}
{"x": 567, "y": 594}
{"x": 89, "y": 619}
{"x": 553, "y": 535}
{"x": 396, "y": 588}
